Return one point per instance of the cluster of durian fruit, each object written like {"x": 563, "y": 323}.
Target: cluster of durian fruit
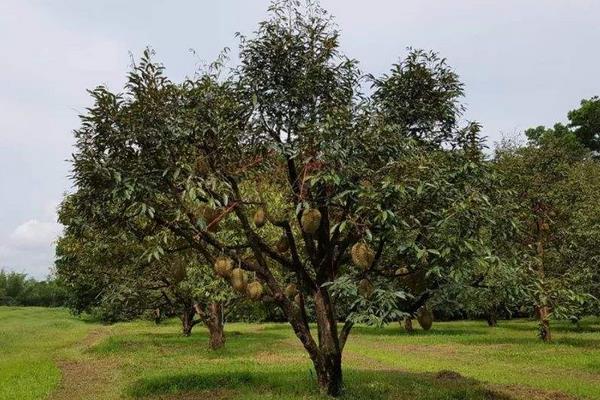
{"x": 363, "y": 255}
{"x": 310, "y": 219}
{"x": 224, "y": 267}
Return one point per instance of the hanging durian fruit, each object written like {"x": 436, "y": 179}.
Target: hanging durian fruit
{"x": 223, "y": 266}
{"x": 425, "y": 318}
{"x": 402, "y": 271}
{"x": 311, "y": 220}
{"x": 298, "y": 299}
{"x": 291, "y": 290}
{"x": 260, "y": 218}
{"x": 202, "y": 166}
{"x": 179, "y": 273}
{"x": 210, "y": 215}
{"x": 282, "y": 244}
{"x": 254, "y": 290}
{"x": 238, "y": 279}
{"x": 362, "y": 255}
{"x": 365, "y": 288}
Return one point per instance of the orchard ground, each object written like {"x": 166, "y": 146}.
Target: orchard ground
{"x": 49, "y": 354}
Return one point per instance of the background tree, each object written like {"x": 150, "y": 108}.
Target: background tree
{"x": 583, "y": 126}
{"x": 559, "y": 281}
{"x": 16, "y": 289}
{"x": 115, "y": 276}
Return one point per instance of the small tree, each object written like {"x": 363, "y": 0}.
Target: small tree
{"x": 116, "y": 275}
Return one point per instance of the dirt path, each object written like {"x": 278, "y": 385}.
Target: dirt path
{"x": 87, "y": 377}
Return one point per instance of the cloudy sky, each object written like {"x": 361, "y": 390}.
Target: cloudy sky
{"x": 524, "y": 63}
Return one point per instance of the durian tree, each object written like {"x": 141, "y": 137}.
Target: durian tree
{"x": 116, "y": 275}
{"x": 285, "y": 176}
{"x": 552, "y": 206}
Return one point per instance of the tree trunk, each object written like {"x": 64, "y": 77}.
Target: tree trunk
{"x": 543, "y": 315}
{"x": 187, "y": 320}
{"x": 214, "y": 322}
{"x": 329, "y": 374}
{"x": 543, "y": 311}
{"x": 491, "y": 319}
{"x": 157, "y": 316}
{"x": 328, "y": 363}
{"x": 408, "y": 325}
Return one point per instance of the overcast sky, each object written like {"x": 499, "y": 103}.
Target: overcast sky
{"x": 524, "y": 63}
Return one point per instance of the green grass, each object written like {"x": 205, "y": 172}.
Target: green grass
{"x": 141, "y": 361}
{"x": 30, "y": 341}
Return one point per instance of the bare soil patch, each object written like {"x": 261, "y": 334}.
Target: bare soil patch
{"x": 87, "y": 378}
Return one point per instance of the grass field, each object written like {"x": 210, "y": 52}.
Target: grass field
{"x": 48, "y": 354}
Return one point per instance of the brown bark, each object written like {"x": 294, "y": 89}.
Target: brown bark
{"x": 214, "y": 323}
{"x": 491, "y": 319}
{"x": 542, "y": 311}
{"x": 543, "y": 315}
{"x": 329, "y": 373}
{"x": 328, "y": 365}
{"x": 187, "y": 320}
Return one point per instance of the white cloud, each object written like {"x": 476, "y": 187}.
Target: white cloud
{"x": 34, "y": 234}
{"x": 30, "y": 247}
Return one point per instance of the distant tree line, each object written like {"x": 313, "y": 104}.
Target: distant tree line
{"x": 17, "y": 289}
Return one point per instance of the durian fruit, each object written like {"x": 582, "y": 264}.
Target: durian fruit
{"x": 238, "y": 279}
{"x": 298, "y": 299}
{"x": 202, "y": 167}
{"x": 425, "y": 318}
{"x": 209, "y": 215}
{"x": 179, "y": 273}
{"x": 291, "y": 290}
{"x": 282, "y": 244}
{"x": 545, "y": 227}
{"x": 365, "y": 288}
{"x": 402, "y": 271}
{"x": 223, "y": 266}
{"x": 311, "y": 220}
{"x": 254, "y": 290}
{"x": 366, "y": 184}
{"x": 260, "y": 218}
{"x": 362, "y": 255}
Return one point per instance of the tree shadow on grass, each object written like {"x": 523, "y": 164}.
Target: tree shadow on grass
{"x": 293, "y": 384}
{"x": 560, "y": 327}
{"x": 237, "y": 344}
{"x": 396, "y": 332}
{"x": 486, "y": 336}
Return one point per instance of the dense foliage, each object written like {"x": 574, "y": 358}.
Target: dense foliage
{"x": 583, "y": 127}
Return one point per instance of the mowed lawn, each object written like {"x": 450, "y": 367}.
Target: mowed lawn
{"x": 48, "y": 354}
